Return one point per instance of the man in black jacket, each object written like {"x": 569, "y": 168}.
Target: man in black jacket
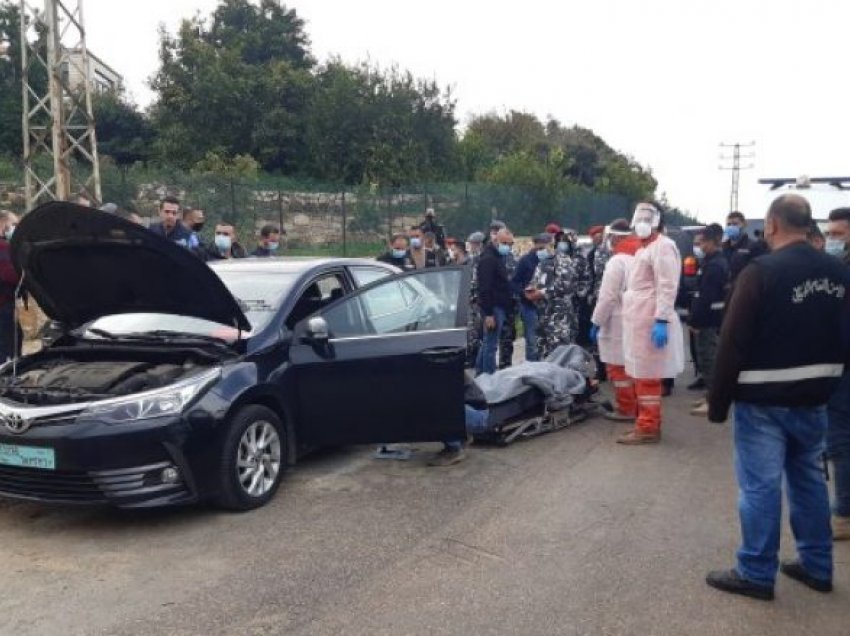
{"x": 494, "y": 296}
{"x": 778, "y": 361}
{"x": 707, "y": 305}
{"x": 738, "y": 248}
{"x": 838, "y": 433}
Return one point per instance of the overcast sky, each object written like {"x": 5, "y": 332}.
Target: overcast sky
{"x": 662, "y": 80}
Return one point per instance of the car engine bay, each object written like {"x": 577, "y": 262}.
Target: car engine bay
{"x": 69, "y": 376}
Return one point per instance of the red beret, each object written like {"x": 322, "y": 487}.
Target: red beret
{"x": 596, "y": 229}
{"x": 553, "y": 228}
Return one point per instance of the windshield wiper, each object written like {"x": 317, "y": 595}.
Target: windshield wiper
{"x": 103, "y": 333}
{"x": 166, "y": 334}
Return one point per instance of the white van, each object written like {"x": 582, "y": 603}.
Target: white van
{"x": 824, "y": 194}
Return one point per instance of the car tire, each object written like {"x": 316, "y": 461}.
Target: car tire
{"x": 253, "y": 459}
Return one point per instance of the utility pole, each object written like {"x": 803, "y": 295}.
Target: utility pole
{"x": 733, "y": 164}
{"x": 60, "y": 145}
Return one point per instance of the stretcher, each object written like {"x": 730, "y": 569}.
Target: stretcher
{"x": 536, "y": 410}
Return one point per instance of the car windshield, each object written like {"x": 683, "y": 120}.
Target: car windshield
{"x": 259, "y": 295}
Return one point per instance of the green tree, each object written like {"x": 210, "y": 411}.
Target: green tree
{"x": 365, "y": 125}
{"x": 123, "y": 132}
{"x": 235, "y": 86}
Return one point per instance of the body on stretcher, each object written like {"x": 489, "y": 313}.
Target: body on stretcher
{"x": 540, "y": 397}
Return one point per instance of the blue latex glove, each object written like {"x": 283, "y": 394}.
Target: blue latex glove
{"x": 594, "y": 333}
{"x": 659, "y": 335}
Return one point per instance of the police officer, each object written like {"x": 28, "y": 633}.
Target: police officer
{"x": 556, "y": 284}
{"x": 778, "y": 361}
{"x": 474, "y": 322}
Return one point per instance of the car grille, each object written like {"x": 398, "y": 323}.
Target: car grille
{"x": 49, "y": 485}
{"x": 116, "y": 486}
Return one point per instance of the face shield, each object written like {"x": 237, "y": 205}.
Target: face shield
{"x": 645, "y": 219}
{"x": 645, "y": 213}
{"x": 611, "y": 235}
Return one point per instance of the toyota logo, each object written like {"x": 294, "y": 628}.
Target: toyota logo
{"x": 15, "y": 424}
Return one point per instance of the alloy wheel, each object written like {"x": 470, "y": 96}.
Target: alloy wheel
{"x": 258, "y": 458}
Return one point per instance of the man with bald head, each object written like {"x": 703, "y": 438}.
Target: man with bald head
{"x": 495, "y": 296}
{"x": 778, "y": 360}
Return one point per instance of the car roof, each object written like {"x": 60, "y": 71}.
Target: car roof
{"x": 290, "y": 264}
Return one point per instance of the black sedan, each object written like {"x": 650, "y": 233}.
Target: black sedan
{"x": 174, "y": 382}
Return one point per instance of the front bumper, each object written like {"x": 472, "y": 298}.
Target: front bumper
{"x": 140, "y": 464}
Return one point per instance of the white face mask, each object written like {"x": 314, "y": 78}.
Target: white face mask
{"x": 835, "y": 247}
{"x": 643, "y": 229}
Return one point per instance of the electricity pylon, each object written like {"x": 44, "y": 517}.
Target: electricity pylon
{"x": 60, "y": 145}
{"x": 736, "y": 168}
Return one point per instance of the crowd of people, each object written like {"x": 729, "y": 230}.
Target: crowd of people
{"x": 769, "y": 330}
{"x": 767, "y": 319}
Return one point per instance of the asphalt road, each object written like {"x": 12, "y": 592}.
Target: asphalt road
{"x": 564, "y": 534}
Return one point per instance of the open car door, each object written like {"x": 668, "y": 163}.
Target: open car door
{"x": 386, "y": 363}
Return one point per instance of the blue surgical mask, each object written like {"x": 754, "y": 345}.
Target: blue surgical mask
{"x": 835, "y": 247}
{"x": 543, "y": 254}
{"x": 399, "y": 253}
{"x": 9, "y": 232}
{"x": 273, "y": 247}
{"x": 698, "y": 252}
{"x": 732, "y": 232}
{"x": 223, "y": 242}
{"x": 416, "y": 243}
{"x": 563, "y": 247}
{"x": 504, "y": 249}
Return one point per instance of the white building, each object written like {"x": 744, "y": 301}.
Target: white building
{"x": 103, "y": 77}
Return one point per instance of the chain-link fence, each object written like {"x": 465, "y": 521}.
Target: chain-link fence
{"x": 343, "y": 220}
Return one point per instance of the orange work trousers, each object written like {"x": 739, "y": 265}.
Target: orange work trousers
{"x": 648, "y": 406}
{"x": 624, "y": 390}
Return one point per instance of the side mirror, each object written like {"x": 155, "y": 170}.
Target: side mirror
{"x": 317, "y": 329}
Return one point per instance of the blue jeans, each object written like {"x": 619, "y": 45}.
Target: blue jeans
{"x": 529, "y": 316}
{"x": 838, "y": 444}
{"x": 486, "y": 362}
{"x": 770, "y": 441}
{"x": 476, "y": 422}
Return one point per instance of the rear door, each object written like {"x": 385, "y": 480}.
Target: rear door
{"x": 392, "y": 367}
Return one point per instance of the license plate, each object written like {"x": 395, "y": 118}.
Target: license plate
{"x": 27, "y": 456}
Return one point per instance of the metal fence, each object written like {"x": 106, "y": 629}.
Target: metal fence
{"x": 344, "y": 220}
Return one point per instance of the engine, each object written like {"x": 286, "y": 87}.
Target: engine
{"x": 63, "y": 380}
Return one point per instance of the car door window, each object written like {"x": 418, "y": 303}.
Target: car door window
{"x": 425, "y": 301}
{"x": 320, "y": 293}
{"x": 367, "y": 275}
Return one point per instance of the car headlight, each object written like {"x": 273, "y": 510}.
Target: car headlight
{"x": 169, "y": 400}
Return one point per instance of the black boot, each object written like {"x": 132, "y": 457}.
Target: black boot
{"x": 796, "y": 571}
{"x": 730, "y": 581}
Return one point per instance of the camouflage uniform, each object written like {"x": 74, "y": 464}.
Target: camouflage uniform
{"x": 474, "y": 322}
{"x": 508, "y": 335}
{"x": 600, "y": 260}
{"x": 563, "y": 280}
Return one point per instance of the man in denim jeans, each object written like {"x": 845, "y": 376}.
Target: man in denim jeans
{"x": 494, "y": 296}
{"x": 778, "y": 361}
{"x": 838, "y": 434}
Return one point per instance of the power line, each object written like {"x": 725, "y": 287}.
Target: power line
{"x": 733, "y": 163}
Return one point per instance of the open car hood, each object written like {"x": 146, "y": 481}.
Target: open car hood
{"x": 80, "y": 264}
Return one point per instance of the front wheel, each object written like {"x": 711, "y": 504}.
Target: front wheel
{"x": 253, "y": 459}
